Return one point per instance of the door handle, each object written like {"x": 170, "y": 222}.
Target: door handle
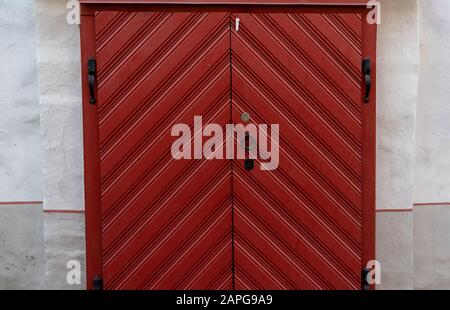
{"x": 366, "y": 66}
{"x": 249, "y": 164}
{"x": 248, "y": 143}
{"x": 92, "y": 70}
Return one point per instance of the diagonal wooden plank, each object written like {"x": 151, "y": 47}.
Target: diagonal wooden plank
{"x": 299, "y": 226}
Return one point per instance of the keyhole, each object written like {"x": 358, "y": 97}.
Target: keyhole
{"x": 245, "y": 117}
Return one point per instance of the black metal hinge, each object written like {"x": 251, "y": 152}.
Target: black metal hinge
{"x": 92, "y": 71}
{"x": 97, "y": 283}
{"x": 366, "y": 69}
{"x": 249, "y": 164}
{"x": 365, "y": 285}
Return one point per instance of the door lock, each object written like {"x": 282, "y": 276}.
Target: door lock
{"x": 245, "y": 117}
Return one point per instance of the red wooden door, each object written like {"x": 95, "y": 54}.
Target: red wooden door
{"x": 299, "y": 226}
{"x": 154, "y": 222}
{"x": 166, "y": 224}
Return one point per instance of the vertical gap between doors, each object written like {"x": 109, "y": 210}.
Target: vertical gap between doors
{"x": 232, "y": 175}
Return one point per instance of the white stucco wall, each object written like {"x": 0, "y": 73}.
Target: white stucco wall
{"x": 22, "y": 262}
{"x": 398, "y": 61}
{"x": 60, "y": 101}
{"x": 22, "y": 258}
{"x": 62, "y": 143}
{"x": 432, "y": 170}
{"x": 431, "y": 247}
{"x": 398, "y": 64}
{"x": 20, "y": 148}
{"x": 432, "y": 182}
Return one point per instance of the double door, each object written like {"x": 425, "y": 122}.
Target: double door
{"x": 298, "y": 216}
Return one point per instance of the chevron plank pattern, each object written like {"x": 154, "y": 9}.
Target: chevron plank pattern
{"x": 299, "y": 226}
{"x": 166, "y": 224}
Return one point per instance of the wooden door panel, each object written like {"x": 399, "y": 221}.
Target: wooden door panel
{"x": 299, "y": 226}
{"x": 166, "y": 223}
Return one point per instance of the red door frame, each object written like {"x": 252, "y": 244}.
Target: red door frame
{"x": 90, "y": 115}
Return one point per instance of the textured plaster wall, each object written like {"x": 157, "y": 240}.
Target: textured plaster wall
{"x": 432, "y": 173}
{"x": 20, "y": 151}
{"x": 22, "y": 262}
{"x": 64, "y": 236}
{"x": 60, "y": 101}
{"x": 395, "y": 250}
{"x": 22, "y": 259}
{"x": 432, "y": 247}
{"x": 433, "y": 110}
{"x": 398, "y": 60}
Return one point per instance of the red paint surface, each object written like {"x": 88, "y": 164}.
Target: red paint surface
{"x": 156, "y": 223}
{"x": 4, "y": 203}
{"x": 64, "y": 211}
{"x": 394, "y": 210}
{"x": 431, "y": 204}
{"x": 299, "y": 226}
{"x": 233, "y": 2}
{"x": 165, "y": 223}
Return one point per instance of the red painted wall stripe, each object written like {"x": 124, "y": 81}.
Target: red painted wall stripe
{"x": 4, "y": 203}
{"x": 431, "y": 204}
{"x": 394, "y": 210}
{"x": 65, "y": 211}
